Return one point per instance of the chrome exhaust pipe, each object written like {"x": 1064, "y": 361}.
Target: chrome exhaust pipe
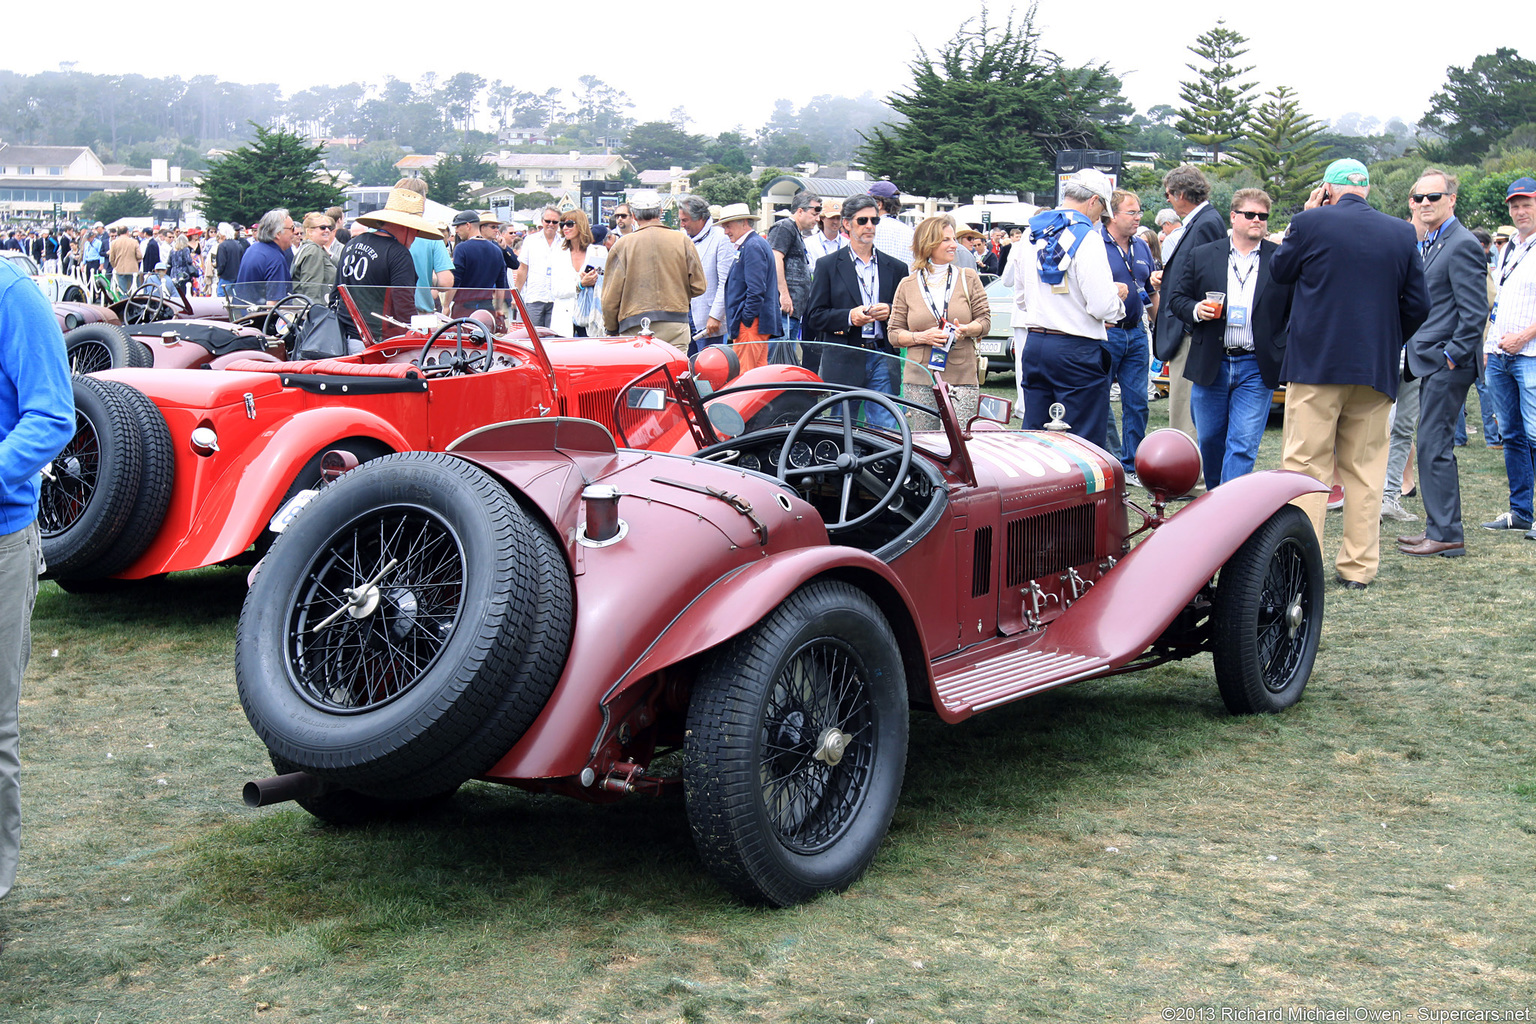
{"x": 280, "y": 788}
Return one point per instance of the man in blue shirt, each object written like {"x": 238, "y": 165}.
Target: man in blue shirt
{"x": 479, "y": 268}
{"x": 265, "y": 274}
{"x": 1130, "y": 261}
{"x": 37, "y": 418}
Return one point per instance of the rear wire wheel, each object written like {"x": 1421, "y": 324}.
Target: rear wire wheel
{"x": 796, "y": 747}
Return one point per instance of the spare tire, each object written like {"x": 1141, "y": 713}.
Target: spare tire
{"x": 405, "y": 630}
{"x": 104, "y": 494}
{"x": 93, "y": 347}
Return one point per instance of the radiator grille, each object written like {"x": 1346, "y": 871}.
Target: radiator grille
{"x": 1048, "y": 543}
{"x": 981, "y": 563}
{"x": 597, "y": 405}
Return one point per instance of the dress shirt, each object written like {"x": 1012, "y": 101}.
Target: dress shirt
{"x": 1177, "y": 234}
{"x": 716, "y": 254}
{"x": 1091, "y": 299}
{"x": 1515, "y": 310}
{"x": 1242, "y": 280}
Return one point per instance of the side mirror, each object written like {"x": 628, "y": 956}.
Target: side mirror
{"x": 991, "y": 407}
{"x": 646, "y": 399}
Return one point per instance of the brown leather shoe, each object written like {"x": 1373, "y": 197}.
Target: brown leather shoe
{"x": 1447, "y": 549}
{"x": 1417, "y": 538}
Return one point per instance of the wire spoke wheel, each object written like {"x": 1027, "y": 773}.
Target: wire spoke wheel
{"x": 796, "y": 745}
{"x": 89, "y": 357}
{"x": 71, "y": 480}
{"x": 1267, "y": 617}
{"x": 816, "y": 746}
{"x": 396, "y": 577}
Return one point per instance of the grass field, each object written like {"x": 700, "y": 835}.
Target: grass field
{"x": 1119, "y": 850}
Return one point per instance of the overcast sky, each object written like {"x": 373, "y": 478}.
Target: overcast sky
{"x": 1382, "y": 62}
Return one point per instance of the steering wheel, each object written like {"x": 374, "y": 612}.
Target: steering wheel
{"x": 146, "y": 305}
{"x": 461, "y": 363}
{"x": 284, "y": 318}
{"x": 847, "y": 464}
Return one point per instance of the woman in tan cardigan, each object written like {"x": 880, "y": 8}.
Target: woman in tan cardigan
{"x": 938, "y": 303}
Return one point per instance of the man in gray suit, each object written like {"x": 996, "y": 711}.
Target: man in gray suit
{"x": 1445, "y": 355}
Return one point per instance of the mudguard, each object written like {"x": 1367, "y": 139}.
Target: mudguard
{"x": 232, "y": 514}
{"x": 1136, "y": 601}
{"x": 560, "y": 741}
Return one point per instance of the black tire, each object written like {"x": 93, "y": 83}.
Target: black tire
{"x": 449, "y": 658}
{"x": 105, "y": 494}
{"x": 73, "y": 293}
{"x": 348, "y": 808}
{"x": 1267, "y": 617}
{"x": 93, "y": 347}
{"x": 774, "y": 822}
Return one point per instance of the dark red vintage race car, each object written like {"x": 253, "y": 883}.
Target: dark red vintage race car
{"x": 173, "y": 469}
{"x": 763, "y": 595}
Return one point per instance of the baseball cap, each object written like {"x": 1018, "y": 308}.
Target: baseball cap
{"x": 1347, "y": 172}
{"x": 883, "y": 190}
{"x": 1521, "y": 187}
{"x": 466, "y": 217}
{"x": 1097, "y": 181}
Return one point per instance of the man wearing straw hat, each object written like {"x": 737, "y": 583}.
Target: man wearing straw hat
{"x": 377, "y": 269}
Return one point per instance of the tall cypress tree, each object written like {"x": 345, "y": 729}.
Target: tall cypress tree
{"x": 277, "y": 170}
{"x": 1282, "y": 148}
{"x": 1216, "y": 106}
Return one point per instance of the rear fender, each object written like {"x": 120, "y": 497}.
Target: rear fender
{"x": 225, "y": 520}
{"x": 572, "y": 725}
{"x": 1132, "y": 604}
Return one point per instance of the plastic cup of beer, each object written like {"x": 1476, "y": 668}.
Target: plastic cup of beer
{"x": 1216, "y": 300}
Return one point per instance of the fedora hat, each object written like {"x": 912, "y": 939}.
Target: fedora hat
{"x": 736, "y": 211}
{"x": 404, "y": 208}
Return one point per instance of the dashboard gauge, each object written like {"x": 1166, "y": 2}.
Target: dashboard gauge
{"x": 826, "y": 452}
{"x": 750, "y": 461}
{"x": 800, "y": 455}
{"x": 773, "y": 456}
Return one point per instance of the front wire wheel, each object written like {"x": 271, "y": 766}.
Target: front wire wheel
{"x": 1268, "y": 615}
{"x": 796, "y": 747}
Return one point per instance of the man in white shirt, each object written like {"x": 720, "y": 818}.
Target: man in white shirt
{"x": 1068, "y": 293}
{"x": 1510, "y": 350}
{"x": 828, "y": 237}
{"x": 716, "y": 253}
{"x": 535, "y": 278}
{"x": 892, "y": 237}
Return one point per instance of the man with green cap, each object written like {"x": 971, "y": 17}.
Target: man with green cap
{"x": 1359, "y": 293}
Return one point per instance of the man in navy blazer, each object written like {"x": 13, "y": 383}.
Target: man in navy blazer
{"x": 1234, "y": 349}
{"x": 1188, "y": 192}
{"x": 751, "y": 288}
{"x": 1359, "y": 293}
{"x": 1445, "y": 354}
{"x": 851, "y": 294}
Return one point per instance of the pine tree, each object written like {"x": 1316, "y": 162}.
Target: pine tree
{"x": 277, "y": 170}
{"x": 989, "y": 112}
{"x": 1216, "y": 106}
{"x": 1282, "y": 149}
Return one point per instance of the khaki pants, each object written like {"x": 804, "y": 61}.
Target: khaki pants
{"x": 1179, "y": 417}
{"x": 674, "y": 334}
{"x": 1343, "y": 425}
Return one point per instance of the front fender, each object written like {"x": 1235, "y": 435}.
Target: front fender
{"x": 1132, "y": 604}
{"x": 228, "y": 516}
{"x": 561, "y": 740}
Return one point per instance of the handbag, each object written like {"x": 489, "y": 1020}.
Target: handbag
{"x": 588, "y": 309}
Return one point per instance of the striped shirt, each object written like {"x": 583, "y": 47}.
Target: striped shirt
{"x": 1516, "y": 308}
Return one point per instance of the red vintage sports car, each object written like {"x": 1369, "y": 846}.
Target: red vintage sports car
{"x": 174, "y": 469}
{"x": 767, "y": 591}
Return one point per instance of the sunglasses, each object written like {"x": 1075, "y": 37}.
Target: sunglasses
{"x": 567, "y": 223}
{"x": 866, "y": 220}
{"x": 1252, "y": 214}
{"x": 325, "y": 227}
{"x": 551, "y": 222}
{"x": 620, "y": 216}
{"x": 1427, "y": 197}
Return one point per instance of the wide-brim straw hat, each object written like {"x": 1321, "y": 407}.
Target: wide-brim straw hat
{"x": 735, "y": 211}
{"x": 404, "y": 208}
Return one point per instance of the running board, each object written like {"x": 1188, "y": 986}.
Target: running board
{"x": 977, "y": 686}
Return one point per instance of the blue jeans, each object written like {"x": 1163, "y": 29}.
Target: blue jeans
{"x": 879, "y": 377}
{"x": 1129, "y": 361}
{"x": 1511, "y": 383}
{"x": 1229, "y": 418}
{"x": 1491, "y": 432}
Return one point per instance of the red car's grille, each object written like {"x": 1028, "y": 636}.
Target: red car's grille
{"x": 981, "y": 563}
{"x": 598, "y": 405}
{"x": 1049, "y": 542}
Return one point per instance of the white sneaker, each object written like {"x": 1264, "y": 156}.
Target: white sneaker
{"x": 1114, "y": 392}
{"x": 1391, "y": 508}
